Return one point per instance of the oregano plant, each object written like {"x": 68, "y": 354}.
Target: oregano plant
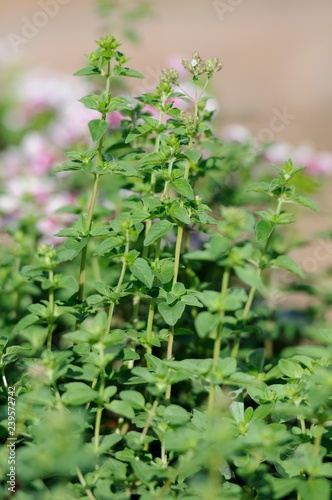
{"x": 143, "y": 368}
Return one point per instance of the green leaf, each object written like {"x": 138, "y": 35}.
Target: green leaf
{"x": 125, "y": 455}
{"x": 315, "y": 489}
{"x": 182, "y": 440}
{"x": 97, "y": 129}
{"x": 38, "y": 309}
{"x": 305, "y": 201}
{"x": 102, "y": 230}
{"x": 193, "y": 155}
{"x": 142, "y": 271}
{"x": 260, "y": 187}
{"x": 291, "y": 368}
{"x": 134, "y": 398}
{"x": 69, "y": 232}
{"x": 285, "y": 262}
{"x": 223, "y": 369}
{"x": 171, "y": 314}
{"x": 212, "y": 300}
{"x": 109, "y": 392}
{"x": 72, "y": 249}
{"x": 165, "y": 270}
{"x": 88, "y": 71}
{"x": 28, "y": 320}
{"x": 122, "y": 408}
{"x": 107, "y": 442}
{"x": 218, "y": 246}
{"x": 138, "y": 132}
{"x": 282, "y": 487}
{"x": 119, "y": 104}
{"x": 82, "y": 225}
{"x": 108, "y": 245}
{"x": 102, "y": 289}
{"x": 177, "y": 212}
{"x": 91, "y": 101}
{"x": 157, "y": 230}
{"x": 234, "y": 299}
{"x": 205, "y": 323}
{"x": 263, "y": 230}
{"x": 249, "y": 275}
{"x": 183, "y": 187}
{"x": 78, "y": 393}
{"x": 176, "y": 415}
{"x": 67, "y": 166}
{"x": 131, "y": 73}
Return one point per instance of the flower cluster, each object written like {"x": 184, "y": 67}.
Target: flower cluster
{"x": 198, "y": 67}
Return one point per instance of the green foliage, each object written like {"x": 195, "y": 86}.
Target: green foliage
{"x": 145, "y": 355}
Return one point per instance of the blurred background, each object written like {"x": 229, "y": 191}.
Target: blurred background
{"x": 276, "y": 54}
{"x": 276, "y": 81}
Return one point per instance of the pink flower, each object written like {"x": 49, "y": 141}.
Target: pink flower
{"x": 72, "y": 125}
{"x": 278, "y": 153}
{"x": 42, "y": 90}
{"x": 39, "y": 152}
{"x": 236, "y": 133}
{"x": 316, "y": 163}
{"x": 53, "y": 222}
{"x": 114, "y": 119}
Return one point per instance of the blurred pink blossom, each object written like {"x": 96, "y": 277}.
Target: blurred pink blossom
{"x": 40, "y": 90}
{"x": 114, "y": 119}
{"x": 236, "y": 133}
{"x": 39, "y": 152}
{"x": 278, "y": 153}
{"x": 52, "y": 221}
{"x": 71, "y": 125}
{"x": 317, "y": 163}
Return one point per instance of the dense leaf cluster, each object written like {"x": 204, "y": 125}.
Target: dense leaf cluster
{"x": 142, "y": 364}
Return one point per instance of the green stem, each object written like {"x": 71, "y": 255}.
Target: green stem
{"x": 318, "y": 439}
{"x": 148, "y": 422}
{"x": 100, "y": 402}
{"x": 302, "y": 425}
{"x": 92, "y": 205}
{"x": 178, "y": 246}
{"x": 169, "y": 173}
{"x": 152, "y": 306}
{"x": 118, "y": 287}
{"x": 93, "y": 200}
{"x": 217, "y": 342}
{"x": 108, "y": 327}
{"x": 253, "y": 289}
{"x": 83, "y": 483}
{"x": 51, "y": 310}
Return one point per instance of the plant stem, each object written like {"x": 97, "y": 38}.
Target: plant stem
{"x": 318, "y": 439}
{"x": 118, "y": 287}
{"x": 148, "y": 422}
{"x": 175, "y": 278}
{"x": 92, "y": 205}
{"x": 217, "y": 342}
{"x": 100, "y": 402}
{"x": 253, "y": 289}
{"x": 108, "y": 327}
{"x": 51, "y": 310}
{"x": 149, "y": 326}
{"x": 178, "y": 246}
{"x": 83, "y": 483}
{"x": 93, "y": 200}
